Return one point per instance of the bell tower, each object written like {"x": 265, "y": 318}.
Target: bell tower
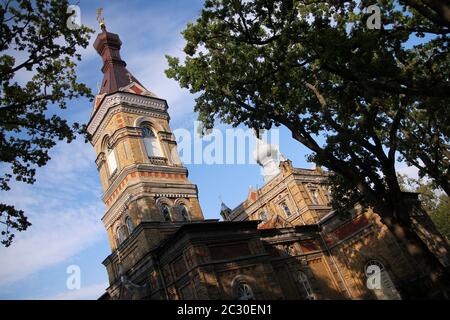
{"x": 145, "y": 185}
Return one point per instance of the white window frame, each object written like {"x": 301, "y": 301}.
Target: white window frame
{"x": 112, "y": 161}
{"x": 151, "y": 142}
{"x": 314, "y": 194}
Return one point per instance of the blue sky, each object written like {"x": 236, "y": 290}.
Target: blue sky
{"x": 65, "y": 204}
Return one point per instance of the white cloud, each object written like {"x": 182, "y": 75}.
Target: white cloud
{"x": 91, "y": 292}
{"x": 149, "y": 68}
{"x": 52, "y": 239}
{"x": 409, "y": 171}
{"x": 64, "y": 205}
{"x": 64, "y": 208}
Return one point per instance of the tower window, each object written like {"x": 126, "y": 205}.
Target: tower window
{"x": 147, "y": 132}
{"x": 314, "y": 195}
{"x": 121, "y": 236}
{"x": 151, "y": 143}
{"x": 110, "y": 156}
{"x": 286, "y": 209}
{"x": 166, "y": 213}
{"x": 184, "y": 213}
{"x": 129, "y": 224}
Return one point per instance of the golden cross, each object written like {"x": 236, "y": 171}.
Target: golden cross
{"x": 100, "y": 18}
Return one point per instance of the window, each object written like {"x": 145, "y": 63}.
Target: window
{"x": 166, "y": 213}
{"x": 244, "y": 292}
{"x": 263, "y": 216}
{"x": 147, "y": 132}
{"x": 184, "y": 213}
{"x": 304, "y": 286}
{"x": 151, "y": 142}
{"x": 286, "y": 209}
{"x": 314, "y": 195}
{"x": 121, "y": 236}
{"x": 379, "y": 281}
{"x": 110, "y": 157}
{"x": 129, "y": 224}
{"x": 328, "y": 194}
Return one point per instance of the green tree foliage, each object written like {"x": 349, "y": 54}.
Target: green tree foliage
{"x": 359, "y": 98}
{"x": 34, "y": 39}
{"x": 434, "y": 201}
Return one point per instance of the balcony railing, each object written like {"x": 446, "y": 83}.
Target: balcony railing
{"x": 158, "y": 160}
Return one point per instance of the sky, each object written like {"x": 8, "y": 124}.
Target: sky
{"x": 64, "y": 205}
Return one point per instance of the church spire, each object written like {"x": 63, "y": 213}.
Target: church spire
{"x": 115, "y": 73}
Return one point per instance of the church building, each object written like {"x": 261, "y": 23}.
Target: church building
{"x": 283, "y": 241}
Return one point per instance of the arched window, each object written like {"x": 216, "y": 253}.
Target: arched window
{"x": 379, "y": 281}
{"x": 184, "y": 213}
{"x": 286, "y": 209}
{"x": 263, "y": 216}
{"x": 166, "y": 212}
{"x": 314, "y": 194}
{"x": 152, "y": 145}
{"x": 121, "y": 236}
{"x": 244, "y": 292}
{"x": 129, "y": 224}
{"x": 304, "y": 286}
{"x": 110, "y": 156}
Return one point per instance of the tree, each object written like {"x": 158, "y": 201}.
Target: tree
{"x": 37, "y": 40}
{"x": 317, "y": 68}
{"x": 434, "y": 201}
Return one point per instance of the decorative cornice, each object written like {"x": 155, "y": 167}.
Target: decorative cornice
{"x": 129, "y": 102}
{"x": 121, "y": 209}
{"x": 127, "y": 109}
{"x": 173, "y": 195}
{"x": 140, "y": 167}
{"x": 114, "y": 213}
{"x": 122, "y": 133}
